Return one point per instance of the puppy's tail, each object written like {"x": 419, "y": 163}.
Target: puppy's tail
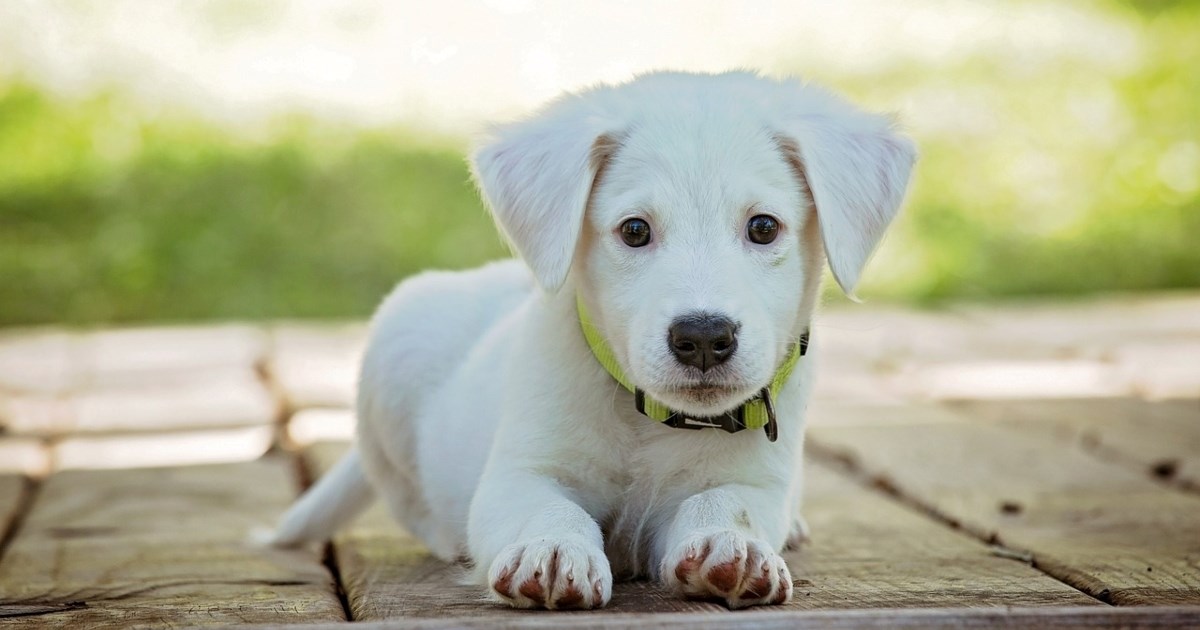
{"x": 338, "y": 496}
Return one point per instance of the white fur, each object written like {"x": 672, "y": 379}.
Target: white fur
{"x": 492, "y": 432}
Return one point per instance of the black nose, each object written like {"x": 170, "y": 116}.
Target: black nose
{"x": 702, "y": 340}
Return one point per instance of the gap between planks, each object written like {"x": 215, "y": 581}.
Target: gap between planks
{"x": 846, "y": 466}
{"x": 1114, "y": 431}
{"x": 285, "y": 410}
{"x": 12, "y": 522}
{"x": 1099, "y": 527}
{"x": 305, "y": 479}
{"x": 160, "y": 547}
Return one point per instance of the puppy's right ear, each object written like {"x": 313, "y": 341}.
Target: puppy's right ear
{"x": 536, "y": 176}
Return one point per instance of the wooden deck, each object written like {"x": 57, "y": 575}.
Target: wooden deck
{"x": 985, "y": 466}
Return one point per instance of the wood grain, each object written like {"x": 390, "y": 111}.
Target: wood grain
{"x": 1162, "y": 439}
{"x": 1103, "y": 528}
{"x": 868, "y": 552}
{"x": 161, "y": 547}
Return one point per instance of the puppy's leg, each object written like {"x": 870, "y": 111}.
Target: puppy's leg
{"x": 717, "y": 547}
{"x": 542, "y": 549}
{"x": 799, "y": 535}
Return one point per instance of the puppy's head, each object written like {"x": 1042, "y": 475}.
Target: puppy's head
{"x": 693, "y": 213}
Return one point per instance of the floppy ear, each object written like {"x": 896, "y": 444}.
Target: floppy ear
{"x": 856, "y": 167}
{"x": 536, "y": 176}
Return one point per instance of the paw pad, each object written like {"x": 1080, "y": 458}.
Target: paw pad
{"x": 729, "y": 566}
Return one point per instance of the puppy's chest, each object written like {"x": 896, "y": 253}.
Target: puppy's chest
{"x": 658, "y": 469}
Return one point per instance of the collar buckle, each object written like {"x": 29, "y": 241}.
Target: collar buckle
{"x": 730, "y": 422}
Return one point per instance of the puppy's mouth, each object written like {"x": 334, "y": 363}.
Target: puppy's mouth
{"x": 706, "y": 395}
{"x": 714, "y": 398}
{"x": 705, "y": 391}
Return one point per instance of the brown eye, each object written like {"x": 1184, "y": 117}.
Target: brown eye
{"x": 762, "y": 229}
{"x": 635, "y": 232}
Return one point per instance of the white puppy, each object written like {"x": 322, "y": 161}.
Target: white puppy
{"x": 685, "y": 218}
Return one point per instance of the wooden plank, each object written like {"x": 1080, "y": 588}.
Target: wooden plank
{"x": 1080, "y": 327}
{"x": 1102, "y": 617}
{"x": 178, "y": 448}
{"x": 1004, "y": 378}
{"x": 36, "y": 413}
{"x": 1110, "y": 346}
{"x": 889, "y": 354}
{"x": 225, "y": 397}
{"x": 1163, "y": 369}
{"x": 50, "y": 361}
{"x": 11, "y": 488}
{"x": 316, "y": 366}
{"x": 880, "y": 335}
{"x": 871, "y": 552}
{"x": 832, "y": 413}
{"x": 868, "y": 553}
{"x": 37, "y": 360}
{"x": 169, "y": 355}
{"x": 229, "y": 397}
{"x": 1145, "y": 343}
{"x": 310, "y": 426}
{"x": 166, "y": 547}
{"x": 1105, "y": 529}
{"x": 1160, "y": 438}
{"x": 865, "y": 353}
{"x": 26, "y": 455}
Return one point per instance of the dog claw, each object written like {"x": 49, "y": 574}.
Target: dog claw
{"x": 743, "y": 572}
{"x": 546, "y": 572}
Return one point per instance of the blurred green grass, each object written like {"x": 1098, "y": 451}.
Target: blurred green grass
{"x": 1068, "y": 176}
{"x": 107, "y": 219}
{"x": 1075, "y": 178}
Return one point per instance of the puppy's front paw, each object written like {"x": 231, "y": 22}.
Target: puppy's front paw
{"x": 727, "y": 565}
{"x": 551, "y": 574}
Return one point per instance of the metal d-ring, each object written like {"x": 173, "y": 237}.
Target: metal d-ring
{"x": 772, "y": 427}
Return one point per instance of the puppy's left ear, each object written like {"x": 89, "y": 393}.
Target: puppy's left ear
{"x": 856, "y": 168}
{"x": 536, "y": 176}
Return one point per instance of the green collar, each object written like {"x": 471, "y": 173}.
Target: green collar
{"x": 758, "y": 412}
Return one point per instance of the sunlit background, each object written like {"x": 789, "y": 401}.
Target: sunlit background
{"x": 259, "y": 159}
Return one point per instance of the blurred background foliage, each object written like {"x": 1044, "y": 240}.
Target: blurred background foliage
{"x": 1067, "y": 176}
{"x": 105, "y": 218}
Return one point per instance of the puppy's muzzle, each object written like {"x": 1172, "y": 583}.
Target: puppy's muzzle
{"x": 702, "y": 340}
